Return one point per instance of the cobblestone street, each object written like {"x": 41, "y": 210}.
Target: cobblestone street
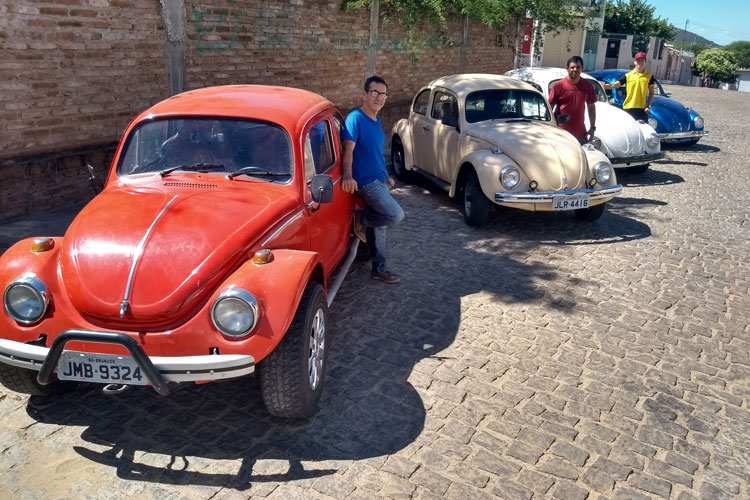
{"x": 537, "y": 357}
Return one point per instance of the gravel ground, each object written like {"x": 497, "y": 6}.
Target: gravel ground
{"x": 538, "y": 357}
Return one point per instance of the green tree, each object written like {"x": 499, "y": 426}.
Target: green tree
{"x": 715, "y": 66}
{"x": 741, "y": 51}
{"x": 636, "y": 17}
{"x": 420, "y": 18}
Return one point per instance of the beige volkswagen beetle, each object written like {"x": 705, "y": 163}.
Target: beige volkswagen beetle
{"x": 490, "y": 138}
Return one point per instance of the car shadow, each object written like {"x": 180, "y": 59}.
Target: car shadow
{"x": 393, "y": 356}
{"x": 690, "y": 148}
{"x": 650, "y": 177}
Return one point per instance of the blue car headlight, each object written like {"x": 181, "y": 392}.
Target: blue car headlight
{"x": 698, "y": 122}
{"x": 652, "y": 121}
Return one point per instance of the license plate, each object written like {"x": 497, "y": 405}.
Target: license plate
{"x": 99, "y": 368}
{"x": 573, "y": 202}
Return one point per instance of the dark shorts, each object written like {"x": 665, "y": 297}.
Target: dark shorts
{"x": 638, "y": 114}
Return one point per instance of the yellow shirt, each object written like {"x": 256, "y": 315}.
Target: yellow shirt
{"x": 637, "y": 89}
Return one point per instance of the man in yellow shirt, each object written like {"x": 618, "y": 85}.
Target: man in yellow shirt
{"x": 639, "y": 87}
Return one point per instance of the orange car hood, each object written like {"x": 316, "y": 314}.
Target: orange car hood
{"x": 193, "y": 242}
{"x": 547, "y": 154}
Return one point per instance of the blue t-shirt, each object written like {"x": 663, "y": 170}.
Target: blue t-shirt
{"x": 368, "y": 164}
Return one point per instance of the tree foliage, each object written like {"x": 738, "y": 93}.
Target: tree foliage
{"x": 715, "y": 66}
{"x": 419, "y": 17}
{"x": 741, "y": 51}
{"x": 636, "y": 17}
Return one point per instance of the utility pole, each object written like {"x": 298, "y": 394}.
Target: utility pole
{"x": 683, "y": 33}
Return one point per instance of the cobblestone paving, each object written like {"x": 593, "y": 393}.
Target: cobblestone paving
{"x": 539, "y": 357}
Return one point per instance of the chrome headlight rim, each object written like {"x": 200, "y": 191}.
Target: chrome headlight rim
{"x": 38, "y": 290}
{"x": 235, "y": 295}
{"x": 507, "y": 177}
{"x": 603, "y": 172}
{"x": 698, "y": 122}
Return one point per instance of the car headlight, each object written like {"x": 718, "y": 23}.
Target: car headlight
{"x": 26, "y": 299}
{"x": 698, "y": 122}
{"x": 653, "y": 122}
{"x": 510, "y": 177}
{"x": 652, "y": 141}
{"x": 235, "y": 312}
{"x": 596, "y": 142}
{"x": 603, "y": 172}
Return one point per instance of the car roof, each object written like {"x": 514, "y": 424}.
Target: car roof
{"x": 543, "y": 73}
{"x": 466, "y": 83}
{"x": 609, "y": 74}
{"x": 285, "y": 106}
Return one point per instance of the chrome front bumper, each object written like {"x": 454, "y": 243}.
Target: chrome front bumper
{"x": 638, "y": 159}
{"x": 691, "y": 134}
{"x": 169, "y": 369}
{"x": 594, "y": 194}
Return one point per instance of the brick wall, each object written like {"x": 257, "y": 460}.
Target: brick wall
{"x": 74, "y": 72}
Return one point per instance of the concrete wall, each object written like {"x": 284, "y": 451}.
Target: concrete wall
{"x": 74, "y": 72}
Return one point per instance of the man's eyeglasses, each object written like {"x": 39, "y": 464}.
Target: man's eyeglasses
{"x": 376, "y": 94}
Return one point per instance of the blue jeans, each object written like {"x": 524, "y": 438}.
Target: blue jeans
{"x": 381, "y": 212}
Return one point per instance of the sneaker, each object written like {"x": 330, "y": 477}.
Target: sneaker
{"x": 385, "y": 277}
{"x": 357, "y": 227}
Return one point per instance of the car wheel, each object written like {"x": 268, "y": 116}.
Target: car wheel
{"x": 590, "y": 214}
{"x": 25, "y": 381}
{"x": 476, "y": 206}
{"x": 691, "y": 142}
{"x": 398, "y": 162}
{"x": 293, "y": 375}
{"x": 638, "y": 169}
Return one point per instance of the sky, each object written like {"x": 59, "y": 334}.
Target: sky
{"x": 721, "y": 21}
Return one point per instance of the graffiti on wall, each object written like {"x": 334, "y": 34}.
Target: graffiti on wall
{"x": 222, "y": 31}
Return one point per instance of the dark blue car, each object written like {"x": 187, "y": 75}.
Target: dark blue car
{"x": 672, "y": 121}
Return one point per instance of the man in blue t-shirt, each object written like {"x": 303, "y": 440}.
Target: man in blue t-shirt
{"x": 364, "y": 172}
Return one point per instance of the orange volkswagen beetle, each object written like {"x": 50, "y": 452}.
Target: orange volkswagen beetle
{"x": 211, "y": 250}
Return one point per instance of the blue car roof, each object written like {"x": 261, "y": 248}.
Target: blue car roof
{"x": 609, "y": 75}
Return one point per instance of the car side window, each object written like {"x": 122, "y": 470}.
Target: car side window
{"x": 444, "y": 105}
{"x": 319, "y": 156}
{"x": 421, "y": 102}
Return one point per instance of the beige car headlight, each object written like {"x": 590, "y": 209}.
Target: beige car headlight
{"x": 602, "y": 172}
{"x": 26, "y": 299}
{"x": 235, "y": 312}
{"x": 510, "y": 177}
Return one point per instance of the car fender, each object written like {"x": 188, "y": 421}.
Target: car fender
{"x": 487, "y": 166}
{"x": 19, "y": 259}
{"x": 402, "y": 130}
{"x": 278, "y": 287}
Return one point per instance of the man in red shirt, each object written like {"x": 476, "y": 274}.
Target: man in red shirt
{"x": 570, "y": 96}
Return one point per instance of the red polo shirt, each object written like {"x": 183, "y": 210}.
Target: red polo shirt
{"x": 572, "y": 100}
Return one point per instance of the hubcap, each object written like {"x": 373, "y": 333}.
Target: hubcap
{"x": 398, "y": 159}
{"x": 317, "y": 349}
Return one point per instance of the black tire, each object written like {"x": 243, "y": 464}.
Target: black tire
{"x": 292, "y": 377}
{"x": 590, "y": 214}
{"x": 638, "y": 169}
{"x": 25, "y": 382}
{"x": 475, "y": 205}
{"x": 398, "y": 162}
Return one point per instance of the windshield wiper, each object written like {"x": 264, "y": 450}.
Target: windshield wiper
{"x": 251, "y": 170}
{"x": 196, "y": 167}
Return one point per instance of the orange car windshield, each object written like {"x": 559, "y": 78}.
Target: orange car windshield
{"x": 226, "y": 146}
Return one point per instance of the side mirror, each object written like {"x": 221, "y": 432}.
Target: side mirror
{"x": 563, "y": 119}
{"x": 95, "y": 182}
{"x": 668, "y": 94}
{"x": 321, "y": 189}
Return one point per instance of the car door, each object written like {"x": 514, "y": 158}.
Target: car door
{"x": 329, "y": 223}
{"x": 422, "y": 127}
{"x": 447, "y": 134}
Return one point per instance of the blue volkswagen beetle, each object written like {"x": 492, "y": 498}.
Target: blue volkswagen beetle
{"x": 672, "y": 121}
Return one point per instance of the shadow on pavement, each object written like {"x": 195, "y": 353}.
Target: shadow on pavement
{"x": 690, "y": 148}
{"x": 650, "y": 177}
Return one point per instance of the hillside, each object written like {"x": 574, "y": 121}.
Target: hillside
{"x": 690, "y": 37}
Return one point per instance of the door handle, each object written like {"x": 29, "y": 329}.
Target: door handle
{"x": 426, "y": 127}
